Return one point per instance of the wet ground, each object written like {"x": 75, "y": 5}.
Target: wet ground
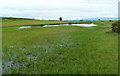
{"x": 81, "y": 25}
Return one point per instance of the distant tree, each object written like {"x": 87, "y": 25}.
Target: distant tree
{"x": 81, "y": 20}
{"x": 110, "y": 20}
{"x": 60, "y": 18}
{"x": 99, "y": 20}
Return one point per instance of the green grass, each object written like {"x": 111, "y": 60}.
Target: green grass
{"x": 0, "y": 47}
{"x": 59, "y": 50}
{"x": 8, "y": 23}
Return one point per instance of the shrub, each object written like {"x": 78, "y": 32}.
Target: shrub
{"x": 110, "y": 20}
{"x": 116, "y": 27}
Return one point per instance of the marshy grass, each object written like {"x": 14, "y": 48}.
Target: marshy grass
{"x": 60, "y": 50}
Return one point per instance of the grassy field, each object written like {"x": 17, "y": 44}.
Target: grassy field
{"x": 59, "y": 50}
{"x": 8, "y": 22}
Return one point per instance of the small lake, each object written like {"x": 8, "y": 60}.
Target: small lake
{"x": 23, "y": 27}
{"x": 80, "y": 25}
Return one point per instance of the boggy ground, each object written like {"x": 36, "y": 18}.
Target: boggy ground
{"x": 60, "y": 50}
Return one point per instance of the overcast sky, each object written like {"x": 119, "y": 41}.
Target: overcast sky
{"x": 53, "y": 9}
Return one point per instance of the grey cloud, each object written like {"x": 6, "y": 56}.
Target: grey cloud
{"x": 52, "y": 9}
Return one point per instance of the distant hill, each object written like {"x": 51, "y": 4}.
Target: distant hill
{"x": 95, "y": 19}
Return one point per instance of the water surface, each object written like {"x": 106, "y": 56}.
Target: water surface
{"x": 80, "y": 25}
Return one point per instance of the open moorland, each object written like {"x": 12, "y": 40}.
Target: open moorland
{"x": 59, "y": 50}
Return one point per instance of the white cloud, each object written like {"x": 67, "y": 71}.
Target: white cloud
{"x": 52, "y": 9}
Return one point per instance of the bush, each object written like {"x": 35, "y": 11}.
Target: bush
{"x": 116, "y": 27}
{"x": 110, "y": 20}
